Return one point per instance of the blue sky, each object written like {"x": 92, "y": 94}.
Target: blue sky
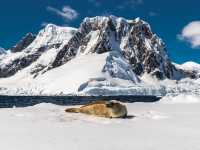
{"x": 177, "y": 22}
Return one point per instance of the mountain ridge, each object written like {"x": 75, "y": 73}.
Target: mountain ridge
{"x": 126, "y": 49}
{"x": 2, "y": 51}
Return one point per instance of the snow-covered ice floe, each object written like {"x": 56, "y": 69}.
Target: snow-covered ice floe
{"x": 181, "y": 99}
{"x": 150, "y": 126}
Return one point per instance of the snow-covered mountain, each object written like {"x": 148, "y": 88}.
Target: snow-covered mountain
{"x": 2, "y": 51}
{"x": 143, "y": 50}
{"x": 24, "y": 43}
{"x": 190, "y": 66}
{"x": 50, "y": 39}
{"x": 105, "y": 55}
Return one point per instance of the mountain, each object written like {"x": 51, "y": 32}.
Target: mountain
{"x": 104, "y": 56}
{"x": 2, "y": 51}
{"x": 143, "y": 50}
{"x": 24, "y": 43}
{"x": 190, "y": 67}
{"x": 52, "y": 37}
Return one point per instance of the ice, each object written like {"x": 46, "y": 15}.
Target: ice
{"x": 149, "y": 126}
{"x": 181, "y": 99}
{"x": 190, "y": 66}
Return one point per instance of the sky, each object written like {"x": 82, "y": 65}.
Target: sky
{"x": 177, "y": 22}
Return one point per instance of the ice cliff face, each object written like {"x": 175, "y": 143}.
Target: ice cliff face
{"x": 103, "y": 52}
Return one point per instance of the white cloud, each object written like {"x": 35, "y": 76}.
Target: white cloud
{"x": 191, "y": 34}
{"x": 67, "y": 12}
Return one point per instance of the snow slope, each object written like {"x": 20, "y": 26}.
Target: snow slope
{"x": 85, "y": 69}
{"x": 190, "y": 66}
{"x": 2, "y": 51}
{"x": 50, "y": 35}
{"x": 38, "y": 56}
{"x": 92, "y": 74}
{"x": 151, "y": 126}
{"x": 181, "y": 99}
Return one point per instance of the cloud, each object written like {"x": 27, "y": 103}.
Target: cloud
{"x": 67, "y": 13}
{"x": 191, "y": 34}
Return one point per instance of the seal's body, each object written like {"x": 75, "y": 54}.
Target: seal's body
{"x": 110, "y": 109}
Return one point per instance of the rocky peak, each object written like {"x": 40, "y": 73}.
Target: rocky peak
{"x": 134, "y": 39}
{"x": 53, "y": 34}
{"x": 24, "y": 43}
{"x": 144, "y": 50}
{"x": 51, "y": 37}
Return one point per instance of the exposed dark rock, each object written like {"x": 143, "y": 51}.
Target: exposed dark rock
{"x": 137, "y": 43}
{"x": 16, "y": 65}
{"x": 68, "y": 52}
{"x": 24, "y": 43}
{"x": 23, "y": 62}
{"x": 133, "y": 39}
{"x": 190, "y": 74}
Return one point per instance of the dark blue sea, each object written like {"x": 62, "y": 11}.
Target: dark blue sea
{"x": 24, "y": 101}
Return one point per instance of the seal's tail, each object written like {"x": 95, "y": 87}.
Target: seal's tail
{"x": 72, "y": 110}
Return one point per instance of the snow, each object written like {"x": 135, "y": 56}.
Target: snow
{"x": 137, "y": 19}
{"x": 52, "y": 34}
{"x": 2, "y": 51}
{"x": 89, "y": 73}
{"x": 182, "y": 98}
{"x": 190, "y": 66}
{"x": 150, "y": 126}
{"x": 70, "y": 77}
{"x": 93, "y": 35}
{"x": 7, "y": 59}
{"x": 84, "y": 75}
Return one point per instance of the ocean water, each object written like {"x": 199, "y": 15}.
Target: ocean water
{"x": 24, "y": 101}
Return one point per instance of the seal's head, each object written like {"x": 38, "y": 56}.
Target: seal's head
{"x": 116, "y": 109}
